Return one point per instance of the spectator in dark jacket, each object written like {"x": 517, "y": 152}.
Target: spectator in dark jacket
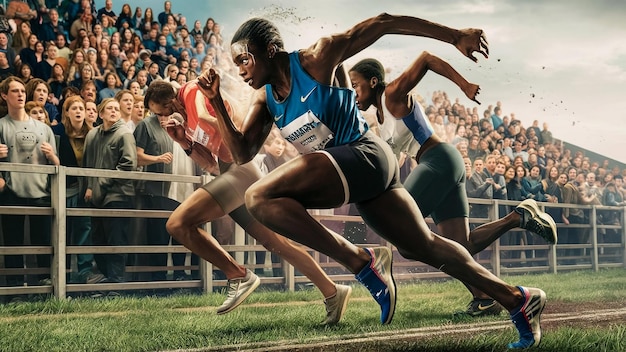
{"x": 479, "y": 186}
{"x": 110, "y": 146}
{"x": 49, "y": 30}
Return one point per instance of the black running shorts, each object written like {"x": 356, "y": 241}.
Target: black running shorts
{"x": 438, "y": 184}
{"x": 367, "y": 167}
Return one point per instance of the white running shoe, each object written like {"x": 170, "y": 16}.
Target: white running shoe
{"x": 337, "y": 304}
{"x": 238, "y": 290}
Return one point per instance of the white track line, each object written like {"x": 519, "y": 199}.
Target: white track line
{"x": 429, "y": 331}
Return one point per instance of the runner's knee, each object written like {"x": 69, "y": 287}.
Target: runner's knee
{"x": 176, "y": 227}
{"x": 255, "y": 197}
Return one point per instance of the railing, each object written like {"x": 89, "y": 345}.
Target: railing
{"x": 598, "y": 252}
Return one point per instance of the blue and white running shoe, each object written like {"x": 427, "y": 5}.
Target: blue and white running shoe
{"x": 527, "y": 318}
{"x": 378, "y": 279}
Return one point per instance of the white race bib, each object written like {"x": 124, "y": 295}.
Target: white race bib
{"x": 307, "y": 133}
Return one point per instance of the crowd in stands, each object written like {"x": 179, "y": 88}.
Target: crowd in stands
{"x": 72, "y": 44}
{"x": 76, "y": 60}
{"x": 507, "y": 161}
{"x": 74, "y": 65}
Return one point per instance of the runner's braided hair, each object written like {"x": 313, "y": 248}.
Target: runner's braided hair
{"x": 260, "y": 32}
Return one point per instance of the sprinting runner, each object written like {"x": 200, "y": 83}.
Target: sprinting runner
{"x": 224, "y": 195}
{"x": 438, "y": 182}
{"x": 343, "y": 162}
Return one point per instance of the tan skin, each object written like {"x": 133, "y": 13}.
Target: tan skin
{"x": 280, "y": 199}
{"x": 398, "y": 103}
{"x": 201, "y": 207}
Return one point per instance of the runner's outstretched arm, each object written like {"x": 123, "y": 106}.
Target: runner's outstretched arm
{"x": 398, "y": 89}
{"x": 330, "y": 51}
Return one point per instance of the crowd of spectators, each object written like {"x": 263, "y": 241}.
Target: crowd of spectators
{"x": 77, "y": 60}
{"x": 76, "y": 66}
{"x": 72, "y": 44}
{"x": 508, "y": 161}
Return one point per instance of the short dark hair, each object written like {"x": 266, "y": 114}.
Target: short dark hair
{"x": 370, "y": 68}
{"x": 71, "y": 89}
{"x": 159, "y": 91}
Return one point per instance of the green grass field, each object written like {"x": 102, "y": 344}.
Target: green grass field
{"x": 267, "y": 318}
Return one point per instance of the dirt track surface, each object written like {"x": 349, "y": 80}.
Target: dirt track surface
{"x": 555, "y": 314}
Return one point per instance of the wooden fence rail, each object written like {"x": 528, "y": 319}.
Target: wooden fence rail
{"x": 605, "y": 248}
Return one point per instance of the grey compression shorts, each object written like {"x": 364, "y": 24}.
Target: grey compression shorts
{"x": 438, "y": 184}
{"x": 229, "y": 189}
{"x": 367, "y": 167}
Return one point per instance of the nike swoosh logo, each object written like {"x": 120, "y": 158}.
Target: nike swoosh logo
{"x": 481, "y": 307}
{"x": 385, "y": 291}
{"x": 305, "y": 97}
{"x": 276, "y": 118}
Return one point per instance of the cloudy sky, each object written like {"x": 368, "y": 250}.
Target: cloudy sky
{"x": 561, "y": 62}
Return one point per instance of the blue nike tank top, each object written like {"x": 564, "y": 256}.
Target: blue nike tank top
{"x": 315, "y": 116}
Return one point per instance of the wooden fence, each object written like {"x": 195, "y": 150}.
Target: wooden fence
{"x": 603, "y": 245}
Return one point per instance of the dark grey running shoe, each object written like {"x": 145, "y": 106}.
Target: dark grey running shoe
{"x": 535, "y": 220}
{"x": 483, "y": 307}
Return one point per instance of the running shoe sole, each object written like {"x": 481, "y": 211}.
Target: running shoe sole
{"x": 542, "y": 218}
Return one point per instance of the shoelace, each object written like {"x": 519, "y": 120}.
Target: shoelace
{"x": 534, "y": 226}
{"x": 233, "y": 287}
